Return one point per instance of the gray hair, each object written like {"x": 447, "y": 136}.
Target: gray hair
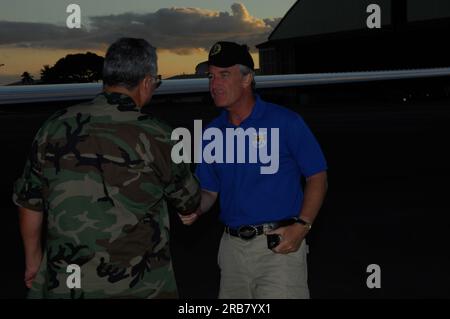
{"x": 128, "y": 61}
{"x": 245, "y": 70}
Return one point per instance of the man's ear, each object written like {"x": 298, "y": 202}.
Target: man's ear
{"x": 147, "y": 83}
{"x": 143, "y": 89}
{"x": 247, "y": 80}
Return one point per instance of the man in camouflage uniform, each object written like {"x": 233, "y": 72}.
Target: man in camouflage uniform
{"x": 101, "y": 172}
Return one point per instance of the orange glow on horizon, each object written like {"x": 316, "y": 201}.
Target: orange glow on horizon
{"x": 19, "y": 60}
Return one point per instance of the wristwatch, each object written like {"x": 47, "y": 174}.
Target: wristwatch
{"x": 304, "y": 223}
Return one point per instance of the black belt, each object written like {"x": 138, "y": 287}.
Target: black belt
{"x": 248, "y": 232}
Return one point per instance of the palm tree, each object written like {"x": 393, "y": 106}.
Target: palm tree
{"x": 27, "y": 78}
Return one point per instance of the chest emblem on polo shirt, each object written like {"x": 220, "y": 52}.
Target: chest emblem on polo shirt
{"x": 259, "y": 140}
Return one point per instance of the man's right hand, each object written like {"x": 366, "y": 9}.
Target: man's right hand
{"x": 191, "y": 218}
{"x": 188, "y": 219}
{"x": 31, "y": 228}
{"x": 32, "y": 268}
{"x": 208, "y": 199}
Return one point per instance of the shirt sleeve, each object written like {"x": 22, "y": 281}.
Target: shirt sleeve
{"x": 305, "y": 148}
{"x": 28, "y": 188}
{"x": 183, "y": 192}
{"x": 181, "y": 187}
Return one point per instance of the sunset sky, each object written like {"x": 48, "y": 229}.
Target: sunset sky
{"x": 34, "y": 33}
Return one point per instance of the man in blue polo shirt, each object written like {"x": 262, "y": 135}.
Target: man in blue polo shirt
{"x": 266, "y": 151}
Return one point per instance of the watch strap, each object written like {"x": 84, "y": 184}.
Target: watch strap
{"x": 303, "y": 222}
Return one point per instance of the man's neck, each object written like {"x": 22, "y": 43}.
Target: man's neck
{"x": 238, "y": 112}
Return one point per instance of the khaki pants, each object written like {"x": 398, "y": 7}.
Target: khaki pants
{"x": 250, "y": 270}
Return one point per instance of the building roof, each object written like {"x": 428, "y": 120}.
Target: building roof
{"x": 308, "y": 19}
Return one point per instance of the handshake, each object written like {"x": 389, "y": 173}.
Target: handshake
{"x": 189, "y": 219}
{"x": 208, "y": 199}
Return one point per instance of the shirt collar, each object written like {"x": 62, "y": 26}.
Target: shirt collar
{"x": 257, "y": 112}
{"x": 122, "y": 101}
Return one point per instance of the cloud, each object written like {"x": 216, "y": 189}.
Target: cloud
{"x": 273, "y": 22}
{"x": 180, "y": 30}
{"x": 24, "y": 34}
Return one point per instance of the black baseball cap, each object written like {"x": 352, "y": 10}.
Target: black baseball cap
{"x": 225, "y": 54}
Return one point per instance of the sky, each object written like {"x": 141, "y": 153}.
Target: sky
{"x": 34, "y": 33}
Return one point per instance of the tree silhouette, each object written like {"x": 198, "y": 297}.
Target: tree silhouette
{"x": 74, "y": 68}
{"x": 48, "y": 75}
{"x": 27, "y": 78}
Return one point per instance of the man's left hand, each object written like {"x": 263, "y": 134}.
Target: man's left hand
{"x": 291, "y": 238}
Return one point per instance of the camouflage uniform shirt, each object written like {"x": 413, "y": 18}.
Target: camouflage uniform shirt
{"x": 103, "y": 174}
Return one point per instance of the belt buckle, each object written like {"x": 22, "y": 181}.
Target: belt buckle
{"x": 247, "y": 232}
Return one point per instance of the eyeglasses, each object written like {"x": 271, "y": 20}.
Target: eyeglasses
{"x": 157, "y": 81}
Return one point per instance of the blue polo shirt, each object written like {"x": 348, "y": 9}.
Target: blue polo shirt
{"x": 247, "y": 196}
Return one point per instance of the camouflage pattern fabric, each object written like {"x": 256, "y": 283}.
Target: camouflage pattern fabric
{"x": 102, "y": 173}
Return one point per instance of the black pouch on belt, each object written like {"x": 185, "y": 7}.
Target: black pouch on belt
{"x": 273, "y": 240}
